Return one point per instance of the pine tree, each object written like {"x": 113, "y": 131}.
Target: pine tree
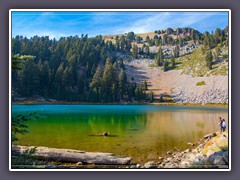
{"x": 165, "y": 66}
{"x": 122, "y": 83}
{"x": 173, "y": 62}
{"x": 97, "y": 79}
{"x": 159, "y": 58}
{"x": 108, "y": 80}
{"x": 176, "y": 51}
{"x": 135, "y": 51}
{"x": 209, "y": 58}
{"x": 151, "y": 99}
{"x": 145, "y": 85}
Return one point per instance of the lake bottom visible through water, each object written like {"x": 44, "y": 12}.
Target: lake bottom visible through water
{"x": 143, "y": 132}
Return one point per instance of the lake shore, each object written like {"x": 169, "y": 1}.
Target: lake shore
{"x": 209, "y": 152}
{"x": 32, "y": 102}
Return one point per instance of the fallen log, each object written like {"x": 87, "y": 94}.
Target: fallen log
{"x": 71, "y": 156}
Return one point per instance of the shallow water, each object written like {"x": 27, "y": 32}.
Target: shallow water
{"x": 143, "y": 132}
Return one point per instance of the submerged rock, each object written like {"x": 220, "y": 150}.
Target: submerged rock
{"x": 169, "y": 152}
{"x": 106, "y": 133}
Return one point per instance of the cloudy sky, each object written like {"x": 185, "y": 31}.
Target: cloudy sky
{"x": 57, "y": 24}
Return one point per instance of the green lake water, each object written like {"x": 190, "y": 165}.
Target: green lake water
{"x": 143, "y": 132}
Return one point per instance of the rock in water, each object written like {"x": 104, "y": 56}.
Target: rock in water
{"x": 169, "y": 152}
{"x": 105, "y": 133}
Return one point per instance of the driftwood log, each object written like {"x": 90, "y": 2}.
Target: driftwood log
{"x": 72, "y": 156}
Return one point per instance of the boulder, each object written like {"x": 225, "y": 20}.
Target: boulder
{"x": 150, "y": 164}
{"x": 219, "y": 158}
{"x": 225, "y": 156}
{"x": 219, "y": 161}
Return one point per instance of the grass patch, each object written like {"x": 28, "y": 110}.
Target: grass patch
{"x": 201, "y": 83}
{"x": 152, "y": 65}
{"x": 194, "y": 64}
{"x": 223, "y": 70}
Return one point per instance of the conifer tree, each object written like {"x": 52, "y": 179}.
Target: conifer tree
{"x": 159, "y": 58}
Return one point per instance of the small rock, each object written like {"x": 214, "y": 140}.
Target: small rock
{"x": 138, "y": 165}
{"x": 79, "y": 163}
{"x": 184, "y": 164}
{"x": 214, "y": 134}
{"x": 187, "y": 151}
{"x": 200, "y": 146}
{"x": 169, "y": 152}
{"x": 160, "y": 158}
{"x": 191, "y": 144}
{"x": 178, "y": 155}
{"x": 178, "y": 159}
{"x": 174, "y": 165}
{"x": 150, "y": 164}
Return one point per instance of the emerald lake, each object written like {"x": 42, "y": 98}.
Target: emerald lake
{"x": 143, "y": 132}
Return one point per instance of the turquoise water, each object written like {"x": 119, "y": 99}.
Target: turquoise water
{"x": 143, "y": 132}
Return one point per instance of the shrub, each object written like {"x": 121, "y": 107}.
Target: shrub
{"x": 201, "y": 83}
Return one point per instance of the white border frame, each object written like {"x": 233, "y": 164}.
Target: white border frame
{"x": 119, "y": 10}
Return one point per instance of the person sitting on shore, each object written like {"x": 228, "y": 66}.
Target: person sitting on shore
{"x": 224, "y": 125}
{"x": 220, "y": 124}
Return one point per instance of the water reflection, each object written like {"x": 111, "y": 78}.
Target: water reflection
{"x": 142, "y": 134}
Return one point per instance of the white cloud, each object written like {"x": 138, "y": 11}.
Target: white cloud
{"x": 164, "y": 20}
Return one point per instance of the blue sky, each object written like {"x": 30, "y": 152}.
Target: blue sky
{"x": 58, "y": 24}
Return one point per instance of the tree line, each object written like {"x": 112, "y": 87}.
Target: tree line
{"x": 72, "y": 69}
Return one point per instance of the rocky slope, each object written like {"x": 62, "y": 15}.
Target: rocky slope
{"x": 182, "y": 87}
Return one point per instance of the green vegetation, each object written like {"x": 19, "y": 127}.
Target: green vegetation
{"x": 165, "y": 65}
{"x": 151, "y": 97}
{"x": 74, "y": 69}
{"x": 159, "y": 57}
{"x": 201, "y": 83}
{"x": 209, "y": 59}
{"x": 88, "y": 70}
{"x": 26, "y": 159}
{"x": 19, "y": 123}
{"x": 173, "y": 63}
{"x": 200, "y": 63}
